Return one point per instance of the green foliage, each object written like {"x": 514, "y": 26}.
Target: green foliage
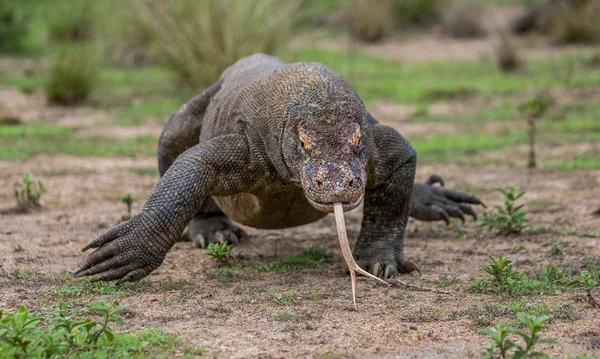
{"x": 24, "y": 140}
{"x": 17, "y": 328}
{"x": 14, "y": 26}
{"x": 284, "y": 298}
{"x": 220, "y": 252}
{"x": 583, "y": 161}
{"x": 22, "y": 273}
{"x": 557, "y": 310}
{"x": 556, "y": 249}
{"x": 501, "y": 269}
{"x": 546, "y": 280}
{"x": 81, "y": 287}
{"x": 587, "y": 282}
{"x": 417, "y": 12}
{"x": 71, "y": 21}
{"x": 311, "y": 257}
{"x": 64, "y": 335}
{"x": 28, "y": 192}
{"x": 127, "y": 198}
{"x": 146, "y": 171}
{"x": 502, "y": 346}
{"x": 288, "y": 316}
{"x": 229, "y": 30}
{"x": 73, "y": 76}
{"x": 508, "y": 219}
{"x": 535, "y": 107}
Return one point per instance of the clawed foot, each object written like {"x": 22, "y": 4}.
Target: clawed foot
{"x": 215, "y": 229}
{"x": 382, "y": 270}
{"x": 434, "y": 203}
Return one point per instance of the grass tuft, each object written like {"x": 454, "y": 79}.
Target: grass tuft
{"x": 73, "y": 76}
{"x": 228, "y": 29}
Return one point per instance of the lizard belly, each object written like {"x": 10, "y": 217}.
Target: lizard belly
{"x": 283, "y": 208}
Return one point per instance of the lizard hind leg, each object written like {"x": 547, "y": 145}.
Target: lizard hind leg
{"x": 211, "y": 225}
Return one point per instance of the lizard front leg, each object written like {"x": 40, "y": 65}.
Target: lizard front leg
{"x": 434, "y": 203}
{"x": 387, "y": 205}
{"x": 133, "y": 249}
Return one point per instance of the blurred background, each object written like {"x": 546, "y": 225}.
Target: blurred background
{"x": 101, "y": 77}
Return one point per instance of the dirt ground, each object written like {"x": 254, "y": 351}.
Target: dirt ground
{"x": 238, "y": 318}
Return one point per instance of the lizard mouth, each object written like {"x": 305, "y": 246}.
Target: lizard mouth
{"x": 328, "y": 207}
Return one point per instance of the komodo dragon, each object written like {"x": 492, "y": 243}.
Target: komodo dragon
{"x": 274, "y": 145}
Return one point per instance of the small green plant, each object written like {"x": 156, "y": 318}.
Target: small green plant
{"x": 28, "y": 192}
{"x": 288, "y": 316}
{"x": 585, "y": 280}
{"x": 284, "y": 298}
{"x": 73, "y": 76}
{"x": 535, "y": 106}
{"x": 502, "y": 270}
{"x": 533, "y": 109}
{"x": 548, "y": 279}
{"x": 220, "y": 252}
{"x": 508, "y": 219}
{"x": 556, "y": 249}
{"x": 502, "y": 346}
{"x": 17, "y": 328}
{"x": 311, "y": 257}
{"x": 107, "y": 311}
{"x": 128, "y": 199}
{"x": 64, "y": 335}
{"x": 23, "y": 273}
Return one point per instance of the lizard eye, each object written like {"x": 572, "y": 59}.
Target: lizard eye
{"x": 356, "y": 141}
{"x": 302, "y": 144}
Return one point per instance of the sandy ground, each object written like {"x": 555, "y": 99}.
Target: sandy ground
{"x": 239, "y": 318}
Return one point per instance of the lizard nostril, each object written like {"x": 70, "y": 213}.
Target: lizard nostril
{"x": 351, "y": 183}
{"x": 319, "y": 184}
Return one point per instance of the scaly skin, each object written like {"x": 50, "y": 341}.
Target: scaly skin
{"x": 272, "y": 145}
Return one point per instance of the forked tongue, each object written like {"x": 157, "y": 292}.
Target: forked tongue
{"x": 347, "y": 253}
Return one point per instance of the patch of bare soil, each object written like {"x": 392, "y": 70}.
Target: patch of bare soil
{"x": 121, "y": 133}
{"x": 237, "y": 317}
{"x": 31, "y": 108}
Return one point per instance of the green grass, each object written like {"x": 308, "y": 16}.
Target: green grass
{"x": 584, "y": 161}
{"x": 546, "y": 280}
{"x": 569, "y": 123}
{"x": 376, "y": 78}
{"x": 22, "y": 141}
{"x": 86, "y": 333}
{"x": 557, "y": 310}
{"x": 284, "y": 298}
{"x": 311, "y": 257}
{"x": 145, "y": 171}
{"x": 159, "y": 108}
{"x": 459, "y": 147}
{"x": 119, "y": 84}
{"x": 72, "y": 287}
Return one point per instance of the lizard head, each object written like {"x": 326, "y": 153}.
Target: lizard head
{"x": 326, "y": 146}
